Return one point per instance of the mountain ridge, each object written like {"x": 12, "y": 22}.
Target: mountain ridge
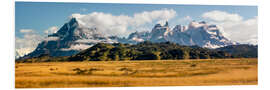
{"x": 73, "y": 37}
{"x": 197, "y": 33}
{"x": 151, "y": 51}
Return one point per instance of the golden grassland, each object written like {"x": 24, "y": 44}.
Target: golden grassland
{"x": 136, "y": 73}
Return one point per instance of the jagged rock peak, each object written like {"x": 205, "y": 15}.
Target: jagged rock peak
{"x": 166, "y": 24}
{"x": 73, "y": 20}
{"x": 159, "y": 25}
{"x": 179, "y": 28}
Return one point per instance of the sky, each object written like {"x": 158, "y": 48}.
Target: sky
{"x": 35, "y": 20}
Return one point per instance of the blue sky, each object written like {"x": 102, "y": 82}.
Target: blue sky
{"x": 39, "y": 16}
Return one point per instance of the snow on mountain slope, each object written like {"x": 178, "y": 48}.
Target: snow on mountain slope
{"x": 205, "y": 35}
{"x": 138, "y": 37}
{"x": 196, "y": 33}
{"x": 160, "y": 33}
{"x": 23, "y": 51}
{"x": 75, "y": 36}
{"x": 71, "y": 38}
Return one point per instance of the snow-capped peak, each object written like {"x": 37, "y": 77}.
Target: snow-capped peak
{"x": 73, "y": 37}
{"x": 195, "y": 25}
{"x": 22, "y": 52}
{"x": 180, "y": 28}
{"x": 196, "y": 33}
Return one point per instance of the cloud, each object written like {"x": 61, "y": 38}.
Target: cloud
{"x": 31, "y": 39}
{"x": 51, "y": 30}
{"x": 222, "y": 16}
{"x": 26, "y": 31}
{"x": 234, "y": 26}
{"x": 28, "y": 42}
{"x": 148, "y": 17}
{"x": 184, "y": 20}
{"x": 122, "y": 25}
{"x": 244, "y": 31}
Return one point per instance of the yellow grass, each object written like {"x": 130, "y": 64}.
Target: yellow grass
{"x": 137, "y": 73}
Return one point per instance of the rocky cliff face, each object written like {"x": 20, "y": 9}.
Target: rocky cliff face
{"x": 70, "y": 39}
{"x": 73, "y": 37}
{"x": 197, "y": 33}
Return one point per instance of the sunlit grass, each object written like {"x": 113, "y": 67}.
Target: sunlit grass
{"x": 136, "y": 73}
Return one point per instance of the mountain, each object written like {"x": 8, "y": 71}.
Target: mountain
{"x": 151, "y": 51}
{"x": 137, "y": 37}
{"x": 71, "y": 38}
{"x": 161, "y": 51}
{"x": 22, "y": 52}
{"x": 145, "y": 51}
{"x": 74, "y": 36}
{"x": 197, "y": 33}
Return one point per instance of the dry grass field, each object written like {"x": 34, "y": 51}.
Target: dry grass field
{"x": 136, "y": 73}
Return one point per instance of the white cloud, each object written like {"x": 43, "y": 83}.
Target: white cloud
{"x": 148, "y": 17}
{"x": 121, "y": 25}
{"x": 26, "y": 31}
{"x": 28, "y": 42}
{"x": 222, "y": 16}
{"x": 77, "y": 47}
{"x": 234, "y": 26}
{"x": 244, "y": 31}
{"x": 184, "y": 20}
{"x": 31, "y": 39}
{"x": 51, "y": 30}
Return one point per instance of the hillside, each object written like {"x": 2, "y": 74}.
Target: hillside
{"x": 150, "y": 51}
{"x": 238, "y": 51}
{"x": 145, "y": 51}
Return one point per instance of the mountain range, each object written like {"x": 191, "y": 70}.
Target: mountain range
{"x": 74, "y": 37}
